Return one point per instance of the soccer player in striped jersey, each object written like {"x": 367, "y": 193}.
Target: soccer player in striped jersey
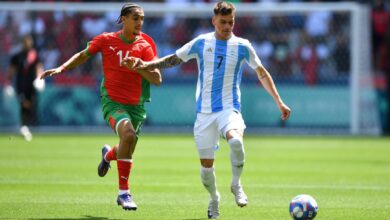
{"x": 123, "y": 91}
{"x": 220, "y": 56}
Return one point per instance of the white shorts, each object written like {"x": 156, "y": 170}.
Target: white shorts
{"x": 209, "y": 126}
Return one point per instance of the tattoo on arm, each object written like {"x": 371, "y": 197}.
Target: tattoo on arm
{"x": 168, "y": 61}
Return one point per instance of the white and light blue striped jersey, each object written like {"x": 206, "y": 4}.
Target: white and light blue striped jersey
{"x": 220, "y": 70}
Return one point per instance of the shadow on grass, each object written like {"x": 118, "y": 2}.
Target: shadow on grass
{"x": 195, "y": 219}
{"x": 86, "y": 217}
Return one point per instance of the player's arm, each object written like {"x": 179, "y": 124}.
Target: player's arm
{"x": 38, "y": 83}
{"x": 269, "y": 85}
{"x": 76, "y": 60}
{"x": 39, "y": 69}
{"x": 151, "y": 75}
{"x": 11, "y": 72}
{"x": 165, "y": 62}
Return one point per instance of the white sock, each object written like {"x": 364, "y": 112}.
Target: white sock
{"x": 121, "y": 192}
{"x": 209, "y": 181}
{"x": 237, "y": 157}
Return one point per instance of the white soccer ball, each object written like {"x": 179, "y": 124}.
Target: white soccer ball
{"x": 303, "y": 207}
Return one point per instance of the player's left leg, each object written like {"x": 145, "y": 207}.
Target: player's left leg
{"x": 126, "y": 121}
{"x": 237, "y": 157}
{"x": 232, "y": 127}
{"x": 127, "y": 141}
{"x": 128, "y": 133}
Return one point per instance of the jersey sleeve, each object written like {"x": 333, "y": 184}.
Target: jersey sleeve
{"x": 253, "y": 60}
{"x": 148, "y": 54}
{"x": 188, "y": 51}
{"x": 95, "y": 45}
{"x": 151, "y": 42}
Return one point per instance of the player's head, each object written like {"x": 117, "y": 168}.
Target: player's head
{"x": 223, "y": 19}
{"x": 28, "y": 42}
{"x": 132, "y": 17}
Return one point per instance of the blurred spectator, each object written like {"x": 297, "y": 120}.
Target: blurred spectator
{"x": 342, "y": 56}
{"x": 306, "y": 56}
{"x": 276, "y": 38}
{"x": 381, "y": 49}
{"x": 380, "y": 24}
{"x": 387, "y": 57}
{"x": 93, "y": 25}
{"x": 25, "y": 66}
{"x": 6, "y": 38}
{"x": 204, "y": 26}
{"x": 317, "y": 23}
{"x": 51, "y": 55}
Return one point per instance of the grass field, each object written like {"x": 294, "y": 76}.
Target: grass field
{"x": 54, "y": 177}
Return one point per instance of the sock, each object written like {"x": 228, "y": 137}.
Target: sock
{"x": 110, "y": 154}
{"x": 124, "y": 167}
{"x": 209, "y": 181}
{"x": 121, "y": 192}
{"x": 237, "y": 157}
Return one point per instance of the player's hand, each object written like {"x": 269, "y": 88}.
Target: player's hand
{"x": 134, "y": 63}
{"x": 39, "y": 84}
{"x": 285, "y": 110}
{"x": 131, "y": 62}
{"x": 51, "y": 72}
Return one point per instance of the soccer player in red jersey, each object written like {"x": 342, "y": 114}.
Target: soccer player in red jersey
{"x": 123, "y": 92}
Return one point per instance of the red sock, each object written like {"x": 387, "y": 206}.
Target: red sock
{"x": 123, "y": 173}
{"x": 111, "y": 155}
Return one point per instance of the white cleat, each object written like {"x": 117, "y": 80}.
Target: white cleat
{"x": 127, "y": 202}
{"x": 26, "y": 133}
{"x": 213, "y": 209}
{"x": 239, "y": 195}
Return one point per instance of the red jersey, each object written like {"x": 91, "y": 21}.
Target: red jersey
{"x": 119, "y": 83}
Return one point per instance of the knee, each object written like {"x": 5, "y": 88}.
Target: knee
{"x": 236, "y": 144}
{"x": 128, "y": 136}
{"x": 207, "y": 163}
{"x": 237, "y": 154}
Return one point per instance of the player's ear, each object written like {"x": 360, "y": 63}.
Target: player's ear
{"x": 213, "y": 20}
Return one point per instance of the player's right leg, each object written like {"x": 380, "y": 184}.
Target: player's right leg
{"x": 207, "y": 174}
{"x": 206, "y": 138}
{"x": 25, "y": 132}
{"x": 27, "y": 112}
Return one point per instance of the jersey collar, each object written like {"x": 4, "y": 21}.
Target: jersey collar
{"x": 123, "y": 38}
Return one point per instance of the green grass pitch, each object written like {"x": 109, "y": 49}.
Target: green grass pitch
{"x": 55, "y": 177}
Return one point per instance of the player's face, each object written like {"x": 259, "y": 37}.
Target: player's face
{"x": 28, "y": 43}
{"x": 133, "y": 21}
{"x": 223, "y": 25}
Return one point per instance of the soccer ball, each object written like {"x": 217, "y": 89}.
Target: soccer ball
{"x": 303, "y": 207}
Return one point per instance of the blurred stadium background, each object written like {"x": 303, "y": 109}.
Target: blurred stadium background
{"x": 329, "y": 59}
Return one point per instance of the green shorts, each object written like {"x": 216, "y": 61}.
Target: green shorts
{"x": 114, "y": 112}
